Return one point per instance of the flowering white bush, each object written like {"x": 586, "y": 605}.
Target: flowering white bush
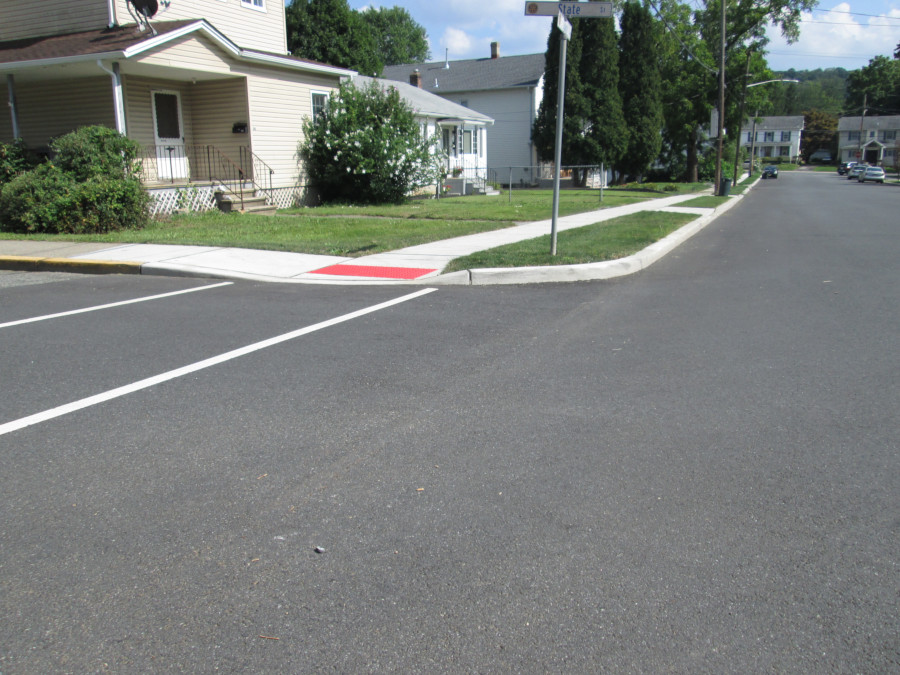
{"x": 366, "y": 147}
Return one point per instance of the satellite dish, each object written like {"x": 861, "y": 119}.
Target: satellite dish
{"x": 147, "y": 8}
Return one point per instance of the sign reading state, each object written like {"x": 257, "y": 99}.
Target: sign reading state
{"x": 569, "y": 9}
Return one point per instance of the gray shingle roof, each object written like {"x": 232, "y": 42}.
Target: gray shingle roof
{"x": 884, "y": 122}
{"x": 425, "y": 103}
{"x": 776, "y": 123}
{"x": 506, "y": 72}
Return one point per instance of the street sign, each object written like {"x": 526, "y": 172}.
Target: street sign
{"x": 563, "y": 24}
{"x": 571, "y": 10}
{"x": 563, "y": 11}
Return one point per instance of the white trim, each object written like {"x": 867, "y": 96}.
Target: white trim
{"x": 160, "y": 40}
{"x": 252, "y": 4}
{"x": 312, "y": 103}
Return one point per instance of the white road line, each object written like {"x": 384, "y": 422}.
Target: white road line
{"x": 15, "y": 425}
{"x": 112, "y": 304}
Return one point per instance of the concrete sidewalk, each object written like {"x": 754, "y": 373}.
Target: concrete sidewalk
{"x": 414, "y": 265}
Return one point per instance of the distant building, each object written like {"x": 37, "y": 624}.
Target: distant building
{"x": 873, "y": 140}
{"x": 508, "y": 89}
{"x": 776, "y": 136}
{"x": 462, "y": 132}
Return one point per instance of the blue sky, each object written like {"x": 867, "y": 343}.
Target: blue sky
{"x": 846, "y": 37}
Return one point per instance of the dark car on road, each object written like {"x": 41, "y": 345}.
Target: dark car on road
{"x": 844, "y": 167}
{"x": 770, "y": 171}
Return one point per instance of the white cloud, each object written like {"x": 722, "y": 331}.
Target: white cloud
{"x": 836, "y": 39}
{"x": 457, "y": 41}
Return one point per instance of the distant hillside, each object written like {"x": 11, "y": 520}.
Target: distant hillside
{"x": 820, "y": 89}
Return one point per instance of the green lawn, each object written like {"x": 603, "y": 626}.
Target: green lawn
{"x": 355, "y": 231}
{"x": 609, "y": 240}
{"x": 522, "y": 206}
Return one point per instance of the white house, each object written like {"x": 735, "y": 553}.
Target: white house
{"x": 508, "y": 89}
{"x": 874, "y": 140}
{"x": 210, "y": 92}
{"x": 776, "y": 136}
{"x": 462, "y": 132}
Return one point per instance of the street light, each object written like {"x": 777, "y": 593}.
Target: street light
{"x": 737, "y": 149}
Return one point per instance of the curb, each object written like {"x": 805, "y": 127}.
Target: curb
{"x": 80, "y": 265}
{"x": 587, "y": 271}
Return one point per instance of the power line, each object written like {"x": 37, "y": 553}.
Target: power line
{"x": 841, "y": 11}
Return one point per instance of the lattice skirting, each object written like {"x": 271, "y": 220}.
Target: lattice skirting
{"x": 285, "y": 198}
{"x": 164, "y": 201}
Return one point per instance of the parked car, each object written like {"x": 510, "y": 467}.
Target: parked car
{"x": 820, "y": 156}
{"x": 872, "y": 173}
{"x": 844, "y": 167}
{"x": 771, "y": 171}
{"x": 855, "y": 171}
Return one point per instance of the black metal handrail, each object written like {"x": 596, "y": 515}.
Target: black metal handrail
{"x": 192, "y": 163}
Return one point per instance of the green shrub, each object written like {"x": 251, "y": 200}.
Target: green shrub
{"x": 14, "y": 159}
{"x": 365, "y": 147}
{"x": 96, "y": 151}
{"x": 50, "y": 200}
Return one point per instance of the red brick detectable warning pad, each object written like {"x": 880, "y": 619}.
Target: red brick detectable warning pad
{"x": 374, "y": 272}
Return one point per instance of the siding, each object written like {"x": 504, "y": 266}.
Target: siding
{"x": 50, "y": 109}
{"x": 279, "y": 101}
{"x": 192, "y": 52}
{"x": 249, "y": 28}
{"x": 510, "y": 136}
{"x": 139, "y": 112}
{"x": 216, "y": 107}
{"x": 29, "y": 18}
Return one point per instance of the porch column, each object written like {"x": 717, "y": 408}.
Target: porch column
{"x": 13, "y": 108}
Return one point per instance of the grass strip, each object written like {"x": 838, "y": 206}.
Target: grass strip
{"x": 706, "y": 202}
{"x": 607, "y": 240}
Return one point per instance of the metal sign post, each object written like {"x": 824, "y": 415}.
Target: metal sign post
{"x": 565, "y": 29}
{"x": 563, "y": 10}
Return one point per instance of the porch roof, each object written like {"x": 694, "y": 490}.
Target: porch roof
{"x": 123, "y": 42}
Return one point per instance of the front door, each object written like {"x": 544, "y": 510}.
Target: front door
{"x": 168, "y": 130}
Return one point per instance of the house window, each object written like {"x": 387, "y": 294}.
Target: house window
{"x": 852, "y": 135}
{"x": 888, "y": 135}
{"x": 769, "y": 137}
{"x": 254, "y": 4}
{"x": 319, "y": 102}
{"x": 785, "y": 135}
{"x": 784, "y": 151}
{"x": 467, "y": 142}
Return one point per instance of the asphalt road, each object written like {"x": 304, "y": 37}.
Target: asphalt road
{"x": 691, "y": 470}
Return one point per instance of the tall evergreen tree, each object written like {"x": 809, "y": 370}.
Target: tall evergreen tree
{"x": 606, "y": 133}
{"x": 593, "y": 127}
{"x": 640, "y": 88}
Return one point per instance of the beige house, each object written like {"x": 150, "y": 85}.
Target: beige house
{"x": 207, "y": 88}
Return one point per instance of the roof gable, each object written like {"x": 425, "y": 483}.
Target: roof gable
{"x": 123, "y": 42}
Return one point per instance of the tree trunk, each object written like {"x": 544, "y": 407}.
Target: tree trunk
{"x": 693, "y": 161}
